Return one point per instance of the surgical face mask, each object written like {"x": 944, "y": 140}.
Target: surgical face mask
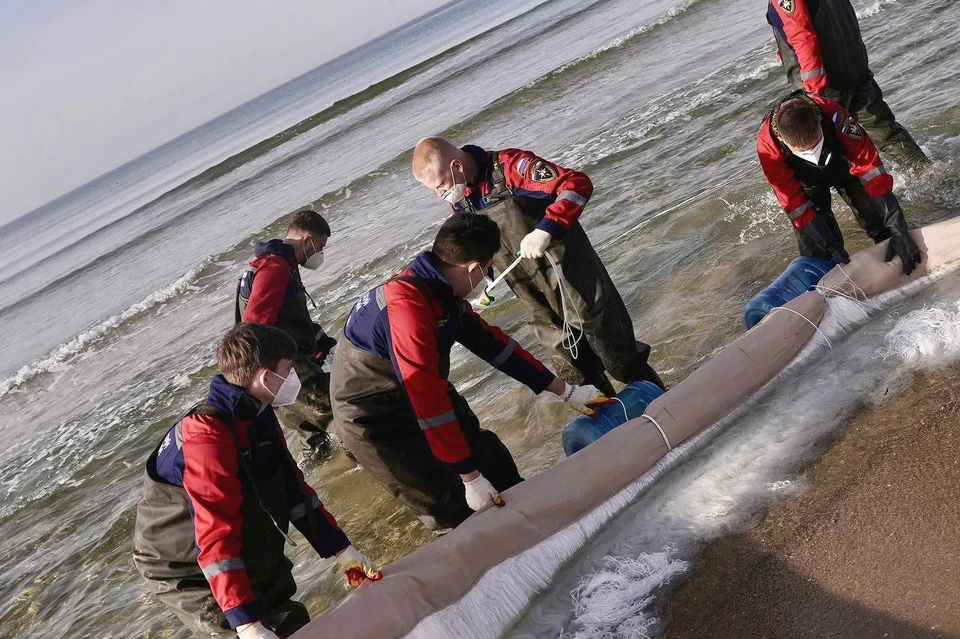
{"x": 288, "y": 391}
{"x": 314, "y": 261}
{"x": 457, "y": 192}
{"x": 811, "y": 155}
{"x": 475, "y": 289}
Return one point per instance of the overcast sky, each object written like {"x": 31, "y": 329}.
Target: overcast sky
{"x": 88, "y": 86}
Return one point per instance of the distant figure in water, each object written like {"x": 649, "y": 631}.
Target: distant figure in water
{"x": 393, "y": 406}
{"x": 271, "y": 292}
{"x": 219, "y": 494}
{"x": 808, "y": 144}
{"x": 822, "y": 51}
{"x": 537, "y": 205}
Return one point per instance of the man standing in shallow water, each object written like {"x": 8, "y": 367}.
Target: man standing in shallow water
{"x": 271, "y": 292}
{"x": 537, "y": 204}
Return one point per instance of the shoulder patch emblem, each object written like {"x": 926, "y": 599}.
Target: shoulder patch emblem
{"x": 543, "y": 172}
{"x": 788, "y": 6}
{"x": 522, "y": 167}
{"x": 851, "y": 129}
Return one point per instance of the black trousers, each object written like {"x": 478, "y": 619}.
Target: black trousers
{"x": 864, "y": 210}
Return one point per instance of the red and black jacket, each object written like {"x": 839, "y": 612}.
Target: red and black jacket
{"x": 413, "y": 321}
{"x": 851, "y": 153}
{"x": 560, "y": 192}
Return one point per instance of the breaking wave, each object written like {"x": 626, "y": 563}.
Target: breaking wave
{"x": 59, "y": 355}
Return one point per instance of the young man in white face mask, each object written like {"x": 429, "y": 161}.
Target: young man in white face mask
{"x": 219, "y": 494}
{"x": 809, "y": 144}
{"x": 393, "y": 405}
{"x": 271, "y": 292}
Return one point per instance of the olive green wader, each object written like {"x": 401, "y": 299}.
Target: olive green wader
{"x": 608, "y": 343}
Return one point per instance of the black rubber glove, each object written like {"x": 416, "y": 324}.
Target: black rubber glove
{"x": 818, "y": 231}
{"x": 325, "y": 344}
{"x": 900, "y": 241}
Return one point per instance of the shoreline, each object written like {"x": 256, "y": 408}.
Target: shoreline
{"x": 870, "y": 549}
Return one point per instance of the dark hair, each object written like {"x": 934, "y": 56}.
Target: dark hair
{"x": 798, "y": 122}
{"x": 465, "y": 238}
{"x": 248, "y": 347}
{"x": 310, "y": 222}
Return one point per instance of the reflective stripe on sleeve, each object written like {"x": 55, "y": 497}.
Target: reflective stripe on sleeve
{"x": 573, "y": 196}
{"x": 439, "y": 420}
{"x": 504, "y": 354}
{"x": 224, "y": 565}
{"x": 812, "y": 74}
{"x": 872, "y": 174}
{"x": 300, "y": 510}
{"x": 800, "y": 210}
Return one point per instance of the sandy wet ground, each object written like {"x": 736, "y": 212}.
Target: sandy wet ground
{"x": 870, "y": 549}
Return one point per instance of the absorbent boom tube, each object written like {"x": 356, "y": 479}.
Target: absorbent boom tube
{"x": 439, "y": 574}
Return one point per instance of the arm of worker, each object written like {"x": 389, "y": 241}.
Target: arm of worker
{"x": 325, "y": 344}
{"x": 790, "y": 194}
{"x": 319, "y": 527}
{"x": 532, "y": 176}
{"x": 502, "y": 352}
{"x": 268, "y": 292}
{"x": 210, "y": 477}
{"x": 412, "y": 344}
{"x": 797, "y": 26}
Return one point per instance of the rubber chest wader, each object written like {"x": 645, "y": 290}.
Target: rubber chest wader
{"x": 311, "y": 412}
{"x": 817, "y": 181}
{"x": 608, "y": 339}
{"x": 851, "y": 83}
{"x": 374, "y": 419}
{"x": 165, "y": 549}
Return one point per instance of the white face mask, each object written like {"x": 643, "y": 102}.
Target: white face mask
{"x": 288, "y": 391}
{"x": 314, "y": 261}
{"x": 457, "y": 192}
{"x": 475, "y": 289}
{"x": 811, "y": 155}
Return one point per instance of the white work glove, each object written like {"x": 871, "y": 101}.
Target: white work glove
{"x": 357, "y": 567}
{"x": 535, "y": 243}
{"x": 255, "y": 630}
{"x": 584, "y": 399}
{"x": 480, "y": 493}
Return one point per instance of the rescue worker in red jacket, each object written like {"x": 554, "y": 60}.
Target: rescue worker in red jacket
{"x": 271, "y": 292}
{"x": 808, "y": 144}
{"x": 219, "y": 492}
{"x": 537, "y": 205}
{"x": 822, "y": 51}
{"x": 393, "y": 406}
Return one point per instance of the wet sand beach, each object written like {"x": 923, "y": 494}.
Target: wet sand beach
{"x": 870, "y": 549}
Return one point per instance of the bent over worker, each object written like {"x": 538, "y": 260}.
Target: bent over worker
{"x": 537, "y": 204}
{"x": 219, "y": 493}
{"x": 822, "y": 52}
{"x": 271, "y": 292}
{"x": 808, "y": 144}
{"x": 392, "y": 403}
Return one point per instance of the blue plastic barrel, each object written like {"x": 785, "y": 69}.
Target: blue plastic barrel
{"x": 799, "y": 277}
{"x": 586, "y": 430}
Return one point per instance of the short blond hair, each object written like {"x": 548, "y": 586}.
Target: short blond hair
{"x": 248, "y": 347}
{"x": 431, "y": 155}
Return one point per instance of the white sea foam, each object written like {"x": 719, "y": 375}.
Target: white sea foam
{"x": 57, "y": 357}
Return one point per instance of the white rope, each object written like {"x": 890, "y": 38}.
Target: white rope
{"x": 807, "y": 319}
{"x": 836, "y": 292}
{"x": 856, "y": 289}
{"x": 626, "y": 416}
{"x": 662, "y": 433}
{"x": 500, "y": 277}
{"x": 646, "y": 220}
{"x": 567, "y": 338}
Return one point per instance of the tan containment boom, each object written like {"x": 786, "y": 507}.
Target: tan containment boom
{"x": 442, "y": 572}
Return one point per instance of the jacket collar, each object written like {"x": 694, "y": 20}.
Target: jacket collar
{"x": 233, "y": 399}
{"x": 425, "y": 266}
{"x": 484, "y": 167}
{"x": 276, "y": 247}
